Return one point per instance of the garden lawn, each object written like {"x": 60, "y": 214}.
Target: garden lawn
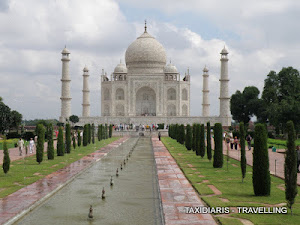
{"x": 10, "y": 143}
{"x": 26, "y": 171}
{"x": 200, "y": 173}
{"x": 279, "y": 143}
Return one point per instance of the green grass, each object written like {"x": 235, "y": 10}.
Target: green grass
{"x": 26, "y": 171}
{"x": 279, "y": 143}
{"x": 10, "y": 143}
{"x": 230, "y": 184}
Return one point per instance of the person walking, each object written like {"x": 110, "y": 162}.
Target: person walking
{"x": 231, "y": 142}
{"x": 298, "y": 158}
{"x": 159, "y": 135}
{"x": 20, "y": 145}
{"x": 31, "y": 146}
{"x": 236, "y": 141}
{"x": 249, "y": 139}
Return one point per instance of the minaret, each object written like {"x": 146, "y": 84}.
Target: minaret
{"x": 85, "y": 93}
{"x": 205, "y": 101}
{"x": 224, "y": 96}
{"x": 65, "y": 87}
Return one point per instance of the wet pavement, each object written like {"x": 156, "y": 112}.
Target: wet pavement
{"x": 176, "y": 191}
{"x": 27, "y": 198}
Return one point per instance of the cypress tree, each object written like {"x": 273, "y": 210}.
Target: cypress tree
{"x": 68, "y": 138}
{"x": 74, "y": 141}
{"x": 106, "y": 131}
{"x": 243, "y": 153}
{"x": 85, "y": 135}
{"x": 89, "y": 132}
{"x": 198, "y": 130}
{"x": 93, "y": 133}
{"x": 181, "y": 135}
{"x": 176, "y": 134}
{"x": 99, "y": 133}
{"x": 40, "y": 143}
{"x": 290, "y": 166}
{"x": 194, "y": 137}
{"x": 261, "y": 173}
{"x": 169, "y": 130}
{"x": 60, "y": 143}
{"x": 110, "y": 130}
{"x": 218, "y": 153}
{"x": 50, "y": 147}
{"x": 202, "y": 141}
{"x": 6, "y": 159}
{"x": 78, "y": 138}
{"x": 208, "y": 147}
{"x": 188, "y": 137}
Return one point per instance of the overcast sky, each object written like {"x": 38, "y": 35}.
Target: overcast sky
{"x": 260, "y": 35}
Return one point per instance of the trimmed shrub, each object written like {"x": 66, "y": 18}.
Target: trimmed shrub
{"x": 181, "y": 135}
{"x": 208, "y": 147}
{"x": 202, "y": 141}
{"x": 68, "y": 138}
{"x": 106, "y": 131}
{"x": 27, "y": 135}
{"x": 194, "y": 138}
{"x": 60, "y": 143}
{"x": 6, "y": 159}
{"x": 290, "y": 166}
{"x": 188, "y": 137}
{"x": 99, "y": 133}
{"x": 218, "y": 153}
{"x": 261, "y": 173}
{"x": 110, "y": 130}
{"x": 243, "y": 153}
{"x": 198, "y": 131}
{"x": 78, "y": 138}
{"x": 40, "y": 143}
{"x": 74, "y": 141}
{"x": 93, "y": 133}
{"x": 85, "y": 135}
{"x": 89, "y": 132}
{"x": 50, "y": 147}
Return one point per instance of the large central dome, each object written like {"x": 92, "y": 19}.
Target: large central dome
{"x": 145, "y": 52}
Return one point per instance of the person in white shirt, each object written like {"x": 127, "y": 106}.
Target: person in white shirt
{"x": 31, "y": 145}
{"x": 21, "y": 145}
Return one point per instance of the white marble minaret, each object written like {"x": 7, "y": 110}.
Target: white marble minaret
{"x": 224, "y": 80}
{"x": 85, "y": 93}
{"x": 205, "y": 101}
{"x": 65, "y": 87}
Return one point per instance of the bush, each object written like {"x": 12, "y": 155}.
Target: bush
{"x": 85, "y": 135}
{"x": 28, "y": 135}
{"x": 99, "y": 132}
{"x": 89, "y": 133}
{"x": 12, "y": 135}
{"x": 236, "y": 133}
{"x": 68, "y": 138}
{"x": 208, "y": 141}
{"x": 198, "y": 133}
{"x": 6, "y": 159}
{"x": 40, "y": 143}
{"x": 74, "y": 141}
{"x": 93, "y": 133}
{"x": 50, "y": 147}
{"x": 78, "y": 138}
{"x": 194, "y": 138}
{"x": 202, "y": 141}
{"x": 181, "y": 136}
{"x": 188, "y": 137}
{"x": 261, "y": 173}
{"x": 60, "y": 143}
{"x": 110, "y": 130}
{"x": 243, "y": 153}
{"x": 161, "y": 126}
{"x": 218, "y": 153}
{"x": 290, "y": 166}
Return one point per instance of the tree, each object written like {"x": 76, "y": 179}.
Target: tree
{"x": 74, "y": 141}
{"x": 5, "y": 117}
{"x": 202, "y": 141}
{"x": 218, "y": 153}
{"x": 78, "y": 138}
{"x": 198, "y": 133}
{"x": 50, "y": 147}
{"x": 208, "y": 139}
{"x": 194, "y": 138}
{"x": 243, "y": 153}
{"x": 181, "y": 135}
{"x": 60, "y": 143}
{"x": 89, "y": 132}
{"x": 93, "y": 133}
{"x": 188, "y": 137}
{"x": 110, "y": 130}
{"x": 40, "y": 143}
{"x": 68, "y": 138}
{"x": 74, "y": 119}
{"x": 290, "y": 166}
{"x": 106, "y": 131}
{"x": 85, "y": 135}
{"x": 245, "y": 105}
{"x": 261, "y": 173}
{"x": 99, "y": 133}
{"x": 281, "y": 98}
{"x": 16, "y": 119}
{"x": 6, "y": 159}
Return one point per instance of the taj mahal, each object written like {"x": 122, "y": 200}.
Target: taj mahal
{"x": 146, "y": 89}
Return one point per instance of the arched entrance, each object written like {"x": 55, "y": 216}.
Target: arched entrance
{"x": 145, "y": 104}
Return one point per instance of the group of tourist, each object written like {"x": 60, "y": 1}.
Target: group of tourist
{"x": 22, "y": 145}
{"x": 136, "y": 127}
{"x": 234, "y": 141}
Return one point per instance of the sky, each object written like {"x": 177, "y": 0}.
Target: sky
{"x": 260, "y": 35}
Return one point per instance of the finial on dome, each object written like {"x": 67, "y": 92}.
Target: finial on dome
{"x": 145, "y": 26}
{"x": 188, "y": 71}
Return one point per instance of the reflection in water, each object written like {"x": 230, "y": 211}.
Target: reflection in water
{"x": 132, "y": 199}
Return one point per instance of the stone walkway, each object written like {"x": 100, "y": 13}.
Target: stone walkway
{"x": 22, "y": 201}
{"x": 279, "y": 157}
{"x": 176, "y": 191}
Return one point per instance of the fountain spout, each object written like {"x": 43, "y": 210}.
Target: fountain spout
{"x": 91, "y": 212}
{"x": 111, "y": 181}
{"x": 103, "y": 193}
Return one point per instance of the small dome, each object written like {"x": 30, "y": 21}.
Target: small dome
{"x": 120, "y": 68}
{"x": 205, "y": 69}
{"x": 170, "y": 68}
{"x": 145, "y": 51}
{"x": 65, "y": 51}
{"x": 85, "y": 69}
{"x": 224, "y": 51}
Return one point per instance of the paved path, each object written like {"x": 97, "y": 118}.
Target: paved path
{"x": 279, "y": 157}
{"x": 14, "y": 153}
{"x": 176, "y": 191}
{"x": 25, "y": 199}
